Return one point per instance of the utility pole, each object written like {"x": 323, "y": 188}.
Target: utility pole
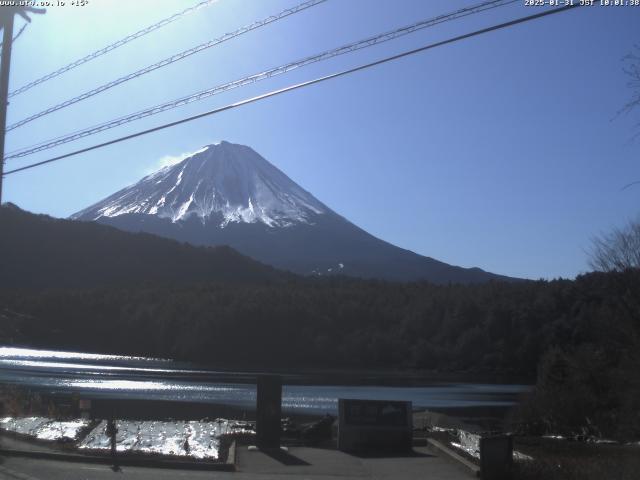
{"x": 5, "y": 64}
{"x": 6, "y": 18}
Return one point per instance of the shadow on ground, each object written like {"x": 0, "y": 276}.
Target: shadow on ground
{"x": 285, "y": 458}
{"x": 411, "y": 454}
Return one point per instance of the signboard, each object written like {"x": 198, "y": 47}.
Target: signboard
{"x": 375, "y": 412}
{"x": 374, "y": 425}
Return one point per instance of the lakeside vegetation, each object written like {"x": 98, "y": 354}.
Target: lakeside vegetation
{"x": 578, "y": 338}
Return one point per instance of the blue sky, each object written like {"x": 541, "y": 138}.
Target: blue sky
{"x": 503, "y": 151}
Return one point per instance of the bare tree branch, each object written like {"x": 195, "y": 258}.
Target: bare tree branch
{"x": 631, "y": 69}
{"x": 618, "y": 250}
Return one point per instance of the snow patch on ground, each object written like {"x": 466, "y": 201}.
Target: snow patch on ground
{"x": 198, "y": 439}
{"x": 195, "y": 439}
{"x": 470, "y": 443}
{"x": 44, "y": 428}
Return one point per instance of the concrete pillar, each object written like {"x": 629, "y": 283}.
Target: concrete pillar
{"x": 268, "y": 411}
{"x": 496, "y": 457}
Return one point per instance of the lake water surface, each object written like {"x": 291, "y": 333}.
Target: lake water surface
{"x": 111, "y": 376}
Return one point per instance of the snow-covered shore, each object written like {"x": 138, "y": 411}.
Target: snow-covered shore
{"x": 196, "y": 439}
{"x": 43, "y": 428}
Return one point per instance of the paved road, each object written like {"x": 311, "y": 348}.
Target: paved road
{"x": 298, "y": 463}
{"x": 31, "y": 469}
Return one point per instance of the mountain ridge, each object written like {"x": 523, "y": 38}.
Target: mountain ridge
{"x": 227, "y": 194}
{"x": 42, "y": 252}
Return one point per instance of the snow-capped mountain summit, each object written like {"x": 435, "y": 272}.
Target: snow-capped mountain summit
{"x": 222, "y": 182}
{"x": 227, "y": 194}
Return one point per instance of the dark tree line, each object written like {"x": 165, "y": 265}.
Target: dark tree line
{"x": 495, "y": 327}
{"x": 579, "y": 339}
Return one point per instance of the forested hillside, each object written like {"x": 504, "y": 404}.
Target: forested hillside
{"x": 44, "y": 252}
{"x": 115, "y": 292}
{"x": 497, "y": 327}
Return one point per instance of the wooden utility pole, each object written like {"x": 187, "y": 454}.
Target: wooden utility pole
{"x": 6, "y": 23}
{"x": 5, "y": 64}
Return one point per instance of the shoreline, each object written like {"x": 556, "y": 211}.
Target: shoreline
{"x": 135, "y": 409}
{"x": 311, "y": 375}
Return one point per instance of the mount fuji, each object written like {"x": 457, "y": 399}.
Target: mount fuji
{"x": 227, "y": 194}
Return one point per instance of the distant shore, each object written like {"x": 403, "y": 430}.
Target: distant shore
{"x": 150, "y": 410}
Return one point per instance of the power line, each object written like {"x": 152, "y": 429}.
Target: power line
{"x": 300, "y": 85}
{"x": 7, "y": 17}
{"x": 113, "y": 46}
{"x": 368, "y": 42}
{"x": 629, "y": 185}
{"x": 24, "y": 12}
{"x": 348, "y": 48}
{"x": 17, "y": 35}
{"x": 167, "y": 61}
{"x": 20, "y": 32}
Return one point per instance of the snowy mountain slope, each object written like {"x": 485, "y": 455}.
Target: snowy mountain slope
{"x": 227, "y": 194}
{"x": 230, "y": 180}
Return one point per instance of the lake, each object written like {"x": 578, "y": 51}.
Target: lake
{"x": 120, "y": 377}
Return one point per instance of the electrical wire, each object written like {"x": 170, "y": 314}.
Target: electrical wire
{"x": 300, "y": 85}
{"x": 113, "y": 46}
{"x": 17, "y": 35}
{"x": 348, "y": 48}
{"x": 168, "y": 61}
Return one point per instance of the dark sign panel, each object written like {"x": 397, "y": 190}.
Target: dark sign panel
{"x": 374, "y": 425}
{"x": 380, "y": 413}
